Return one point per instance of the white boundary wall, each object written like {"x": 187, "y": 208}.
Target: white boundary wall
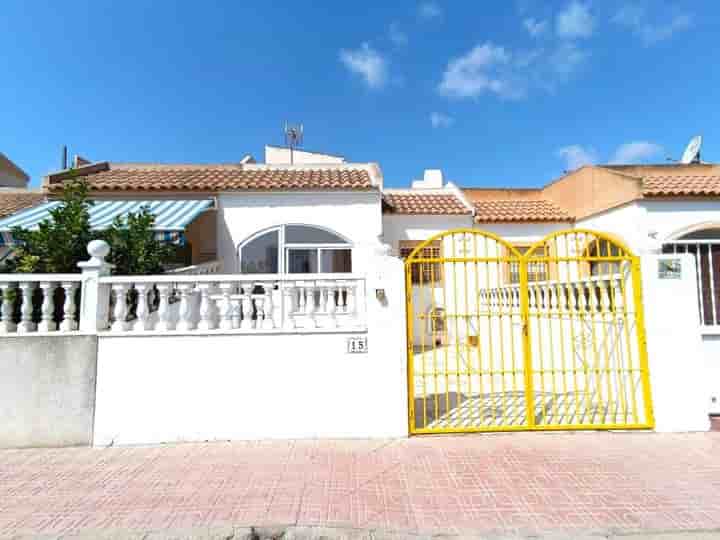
{"x": 675, "y": 351}
{"x": 154, "y": 389}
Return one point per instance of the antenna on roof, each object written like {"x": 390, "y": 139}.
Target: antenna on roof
{"x": 692, "y": 151}
{"x": 293, "y": 137}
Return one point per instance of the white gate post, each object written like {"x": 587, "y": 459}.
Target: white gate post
{"x": 94, "y": 297}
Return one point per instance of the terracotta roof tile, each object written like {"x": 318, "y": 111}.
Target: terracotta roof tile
{"x": 519, "y": 210}
{"x": 678, "y": 185}
{"x": 152, "y": 177}
{"x": 12, "y": 201}
{"x": 424, "y": 203}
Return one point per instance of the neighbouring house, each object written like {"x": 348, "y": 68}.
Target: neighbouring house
{"x": 14, "y": 196}
{"x": 11, "y": 176}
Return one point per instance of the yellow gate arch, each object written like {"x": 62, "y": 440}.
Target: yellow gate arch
{"x": 548, "y": 336}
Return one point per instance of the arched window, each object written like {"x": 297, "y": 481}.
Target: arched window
{"x": 295, "y": 249}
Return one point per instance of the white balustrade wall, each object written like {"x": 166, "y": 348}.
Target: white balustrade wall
{"x": 234, "y": 302}
{"x": 39, "y": 303}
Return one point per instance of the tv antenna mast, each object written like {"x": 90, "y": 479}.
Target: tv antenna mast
{"x": 293, "y": 137}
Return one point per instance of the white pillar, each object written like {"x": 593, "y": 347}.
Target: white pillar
{"x": 678, "y": 379}
{"x": 94, "y": 297}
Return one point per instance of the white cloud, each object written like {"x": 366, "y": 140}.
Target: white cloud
{"x": 535, "y": 27}
{"x": 575, "y": 21}
{"x": 493, "y": 69}
{"x": 567, "y": 58}
{"x": 635, "y": 17}
{"x": 576, "y": 156}
{"x": 440, "y": 120}
{"x": 429, "y": 10}
{"x": 476, "y": 73}
{"x": 397, "y": 36}
{"x": 635, "y": 152}
{"x": 368, "y": 63}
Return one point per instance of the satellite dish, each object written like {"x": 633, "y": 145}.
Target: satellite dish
{"x": 692, "y": 152}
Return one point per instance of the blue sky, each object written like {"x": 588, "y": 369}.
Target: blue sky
{"x": 495, "y": 93}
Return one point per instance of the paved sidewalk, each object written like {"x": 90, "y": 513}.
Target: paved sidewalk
{"x": 524, "y": 484}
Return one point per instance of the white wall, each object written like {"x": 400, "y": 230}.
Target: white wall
{"x": 628, "y": 222}
{"x": 670, "y": 217}
{"x": 522, "y": 232}
{"x": 405, "y": 227}
{"x": 153, "y": 389}
{"x": 634, "y": 222}
{"x": 677, "y": 368}
{"x": 354, "y": 215}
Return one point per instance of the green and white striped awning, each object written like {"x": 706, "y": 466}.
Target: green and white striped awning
{"x": 171, "y": 216}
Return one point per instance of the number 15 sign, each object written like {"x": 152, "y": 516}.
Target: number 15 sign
{"x": 357, "y": 345}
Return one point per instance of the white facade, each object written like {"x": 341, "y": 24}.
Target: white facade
{"x": 354, "y": 215}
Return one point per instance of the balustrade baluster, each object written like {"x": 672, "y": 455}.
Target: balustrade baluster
{"x": 186, "y": 321}
{"x": 531, "y": 298}
{"x": 617, "y": 295}
{"x": 207, "y": 321}
{"x": 142, "y": 310}
{"x": 333, "y": 295}
{"x": 7, "y": 302}
{"x": 164, "y": 320}
{"x": 310, "y": 308}
{"x": 68, "y": 323}
{"x": 582, "y": 301}
{"x": 26, "y": 310}
{"x": 268, "y": 322}
{"x": 351, "y": 298}
{"x": 47, "y": 324}
{"x": 301, "y": 305}
{"x": 290, "y": 298}
{"x": 604, "y": 298}
{"x": 226, "y": 307}
{"x": 120, "y": 312}
{"x": 247, "y": 306}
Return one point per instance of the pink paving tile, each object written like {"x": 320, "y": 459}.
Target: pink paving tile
{"x": 523, "y": 481}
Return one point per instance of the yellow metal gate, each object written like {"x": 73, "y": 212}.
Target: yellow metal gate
{"x": 548, "y": 336}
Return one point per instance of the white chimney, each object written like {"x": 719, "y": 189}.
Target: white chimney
{"x": 432, "y": 179}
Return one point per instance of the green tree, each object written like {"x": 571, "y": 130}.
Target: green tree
{"x": 134, "y": 250}
{"x": 60, "y": 241}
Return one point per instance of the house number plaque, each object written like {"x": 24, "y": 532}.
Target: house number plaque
{"x": 357, "y": 345}
{"x": 669, "y": 269}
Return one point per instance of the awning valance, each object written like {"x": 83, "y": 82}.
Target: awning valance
{"x": 171, "y": 216}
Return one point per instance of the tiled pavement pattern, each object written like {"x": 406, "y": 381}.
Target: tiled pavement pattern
{"x": 526, "y": 482}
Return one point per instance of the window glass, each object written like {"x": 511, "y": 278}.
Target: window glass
{"x": 260, "y": 256}
{"x": 703, "y": 234}
{"x": 335, "y": 260}
{"x": 301, "y": 234}
{"x": 302, "y": 261}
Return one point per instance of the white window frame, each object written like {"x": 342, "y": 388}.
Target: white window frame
{"x": 283, "y": 247}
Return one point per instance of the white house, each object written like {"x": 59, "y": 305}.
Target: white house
{"x": 283, "y": 229}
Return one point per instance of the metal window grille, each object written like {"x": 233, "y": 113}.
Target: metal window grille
{"x": 537, "y": 270}
{"x": 425, "y": 272}
{"x": 707, "y": 262}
